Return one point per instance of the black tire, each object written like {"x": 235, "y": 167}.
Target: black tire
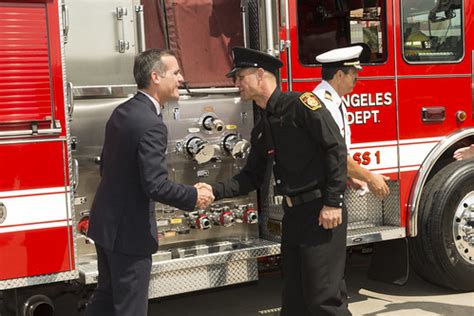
{"x": 433, "y": 252}
{"x": 418, "y": 257}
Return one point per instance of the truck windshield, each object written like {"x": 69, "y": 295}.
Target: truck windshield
{"x": 329, "y": 24}
{"x": 432, "y": 31}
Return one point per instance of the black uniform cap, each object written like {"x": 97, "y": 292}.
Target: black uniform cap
{"x": 250, "y": 58}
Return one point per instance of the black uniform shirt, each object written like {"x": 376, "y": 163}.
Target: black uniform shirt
{"x": 308, "y": 150}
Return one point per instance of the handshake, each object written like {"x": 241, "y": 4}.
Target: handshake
{"x": 204, "y": 195}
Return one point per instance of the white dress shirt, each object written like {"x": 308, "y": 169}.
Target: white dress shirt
{"x": 155, "y": 102}
{"x": 333, "y": 102}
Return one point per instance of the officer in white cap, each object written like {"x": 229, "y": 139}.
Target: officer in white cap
{"x": 339, "y": 74}
{"x": 297, "y": 138}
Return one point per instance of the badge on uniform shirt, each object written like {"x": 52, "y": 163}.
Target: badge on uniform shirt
{"x": 310, "y": 101}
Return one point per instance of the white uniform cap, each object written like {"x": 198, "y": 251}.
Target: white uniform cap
{"x": 340, "y": 57}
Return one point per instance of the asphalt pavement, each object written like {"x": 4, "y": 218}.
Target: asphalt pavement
{"x": 366, "y": 297}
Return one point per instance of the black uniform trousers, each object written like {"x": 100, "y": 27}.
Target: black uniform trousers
{"x": 313, "y": 262}
{"x": 129, "y": 276}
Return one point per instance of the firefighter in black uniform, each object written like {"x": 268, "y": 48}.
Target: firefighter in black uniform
{"x": 300, "y": 138}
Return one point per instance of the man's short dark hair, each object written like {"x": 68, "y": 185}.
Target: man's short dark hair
{"x": 327, "y": 73}
{"x": 147, "y": 62}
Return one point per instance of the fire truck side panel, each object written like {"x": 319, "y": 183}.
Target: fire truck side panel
{"x": 35, "y": 221}
{"x": 371, "y": 107}
{"x": 435, "y": 85}
{"x": 41, "y": 165}
{"x": 34, "y": 192}
{"x": 429, "y": 93}
{"x": 438, "y": 83}
{"x": 26, "y": 252}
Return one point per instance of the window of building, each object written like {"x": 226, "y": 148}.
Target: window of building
{"x": 327, "y": 24}
{"x": 432, "y": 31}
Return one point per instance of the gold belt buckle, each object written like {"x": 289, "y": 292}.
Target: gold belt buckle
{"x": 288, "y": 201}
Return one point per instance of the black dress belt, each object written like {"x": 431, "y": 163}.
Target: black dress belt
{"x": 303, "y": 198}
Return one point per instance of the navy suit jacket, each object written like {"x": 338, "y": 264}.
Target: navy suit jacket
{"x": 134, "y": 175}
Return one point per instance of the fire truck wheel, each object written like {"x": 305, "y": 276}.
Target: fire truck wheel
{"x": 443, "y": 251}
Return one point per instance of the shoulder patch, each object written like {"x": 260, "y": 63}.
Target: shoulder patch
{"x": 327, "y": 95}
{"x": 310, "y": 101}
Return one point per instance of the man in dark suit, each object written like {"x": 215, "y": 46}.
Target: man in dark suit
{"x": 134, "y": 175}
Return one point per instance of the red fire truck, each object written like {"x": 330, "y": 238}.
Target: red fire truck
{"x": 411, "y": 109}
{"x": 64, "y": 66}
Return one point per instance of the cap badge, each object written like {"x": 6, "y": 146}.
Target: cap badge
{"x": 310, "y": 101}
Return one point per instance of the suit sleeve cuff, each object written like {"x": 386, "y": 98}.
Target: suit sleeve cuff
{"x": 192, "y": 200}
{"x": 217, "y": 191}
{"x": 334, "y": 200}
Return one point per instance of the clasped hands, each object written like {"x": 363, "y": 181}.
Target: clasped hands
{"x": 204, "y": 195}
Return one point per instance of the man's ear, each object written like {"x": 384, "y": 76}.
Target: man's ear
{"x": 260, "y": 73}
{"x": 155, "y": 78}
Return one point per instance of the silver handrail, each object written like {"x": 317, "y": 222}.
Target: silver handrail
{"x": 65, "y": 17}
{"x": 288, "y": 48}
{"x": 30, "y": 132}
{"x": 244, "y": 14}
{"x": 140, "y": 28}
{"x": 75, "y": 174}
{"x": 269, "y": 24}
{"x": 123, "y": 44}
{"x": 70, "y": 98}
